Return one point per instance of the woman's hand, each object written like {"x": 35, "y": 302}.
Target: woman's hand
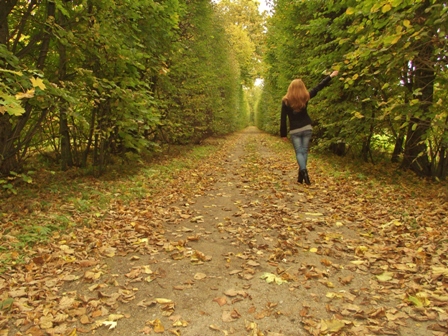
{"x": 334, "y": 74}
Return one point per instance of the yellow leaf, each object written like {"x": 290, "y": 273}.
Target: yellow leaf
{"x": 158, "y": 327}
{"x": 395, "y": 40}
{"x": 360, "y": 250}
{"x": 331, "y": 326}
{"x": 358, "y": 115}
{"x": 269, "y": 277}
{"x": 350, "y": 11}
{"x": 28, "y": 94}
{"x": 407, "y": 23}
{"x": 415, "y": 301}
{"x": 423, "y": 297}
{"x": 313, "y": 250}
{"x": 336, "y": 67}
{"x": 147, "y": 269}
{"x": 357, "y": 262}
{"x": 73, "y": 333}
{"x": 332, "y": 295}
{"x": 163, "y": 301}
{"x": 37, "y": 82}
{"x": 386, "y": 8}
{"x": 437, "y": 271}
{"x": 314, "y": 214}
{"x": 329, "y": 284}
{"x": 114, "y": 317}
{"x": 214, "y": 327}
{"x": 386, "y": 276}
{"x": 180, "y": 323}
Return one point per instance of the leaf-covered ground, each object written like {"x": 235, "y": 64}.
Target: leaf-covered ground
{"x": 235, "y": 246}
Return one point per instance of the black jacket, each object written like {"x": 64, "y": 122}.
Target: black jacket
{"x": 301, "y": 118}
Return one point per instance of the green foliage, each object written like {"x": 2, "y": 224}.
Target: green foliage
{"x": 201, "y": 89}
{"x": 114, "y": 77}
{"x": 9, "y": 184}
{"x": 391, "y": 57}
{"x": 245, "y": 28}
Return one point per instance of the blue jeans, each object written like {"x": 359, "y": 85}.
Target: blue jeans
{"x": 301, "y": 142}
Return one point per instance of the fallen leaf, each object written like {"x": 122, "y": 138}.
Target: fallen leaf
{"x": 220, "y": 300}
{"x": 346, "y": 280}
{"x": 270, "y": 277}
{"x": 384, "y": 277}
{"x": 331, "y": 326}
{"x": 110, "y": 324}
{"x": 200, "y": 276}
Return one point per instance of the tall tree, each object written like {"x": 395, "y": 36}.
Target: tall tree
{"x": 245, "y": 26}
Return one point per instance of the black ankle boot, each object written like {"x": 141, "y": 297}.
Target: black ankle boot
{"x": 300, "y": 178}
{"x": 306, "y": 176}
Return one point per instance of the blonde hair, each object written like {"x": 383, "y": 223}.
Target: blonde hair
{"x": 297, "y": 95}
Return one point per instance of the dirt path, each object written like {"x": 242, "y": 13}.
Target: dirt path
{"x": 235, "y": 248}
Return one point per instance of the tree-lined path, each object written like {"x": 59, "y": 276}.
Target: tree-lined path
{"x": 234, "y": 246}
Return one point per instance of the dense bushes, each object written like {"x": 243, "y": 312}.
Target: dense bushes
{"x": 89, "y": 80}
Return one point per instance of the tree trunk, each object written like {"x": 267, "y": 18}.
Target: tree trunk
{"x": 85, "y": 155}
{"x": 6, "y": 7}
{"x": 7, "y": 162}
{"x": 51, "y": 12}
{"x": 66, "y": 151}
{"x": 415, "y": 156}
{"x": 442, "y": 168}
{"x": 398, "y": 149}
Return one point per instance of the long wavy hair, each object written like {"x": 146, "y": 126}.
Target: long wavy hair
{"x": 297, "y": 95}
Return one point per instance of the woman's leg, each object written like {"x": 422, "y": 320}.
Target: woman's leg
{"x": 306, "y": 138}
{"x": 301, "y": 142}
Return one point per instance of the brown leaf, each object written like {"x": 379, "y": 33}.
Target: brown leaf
{"x": 304, "y": 312}
{"x": 66, "y": 303}
{"x": 235, "y": 314}
{"x": 220, "y": 300}
{"x": 346, "y": 280}
{"x": 326, "y": 262}
{"x": 87, "y": 263}
{"x": 200, "y": 276}
{"x": 97, "y": 313}
{"x": 85, "y": 319}
{"x": 134, "y": 273}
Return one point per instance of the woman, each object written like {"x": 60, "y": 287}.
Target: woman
{"x": 294, "y": 105}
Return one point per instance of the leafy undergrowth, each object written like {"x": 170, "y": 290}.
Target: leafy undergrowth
{"x": 371, "y": 244}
